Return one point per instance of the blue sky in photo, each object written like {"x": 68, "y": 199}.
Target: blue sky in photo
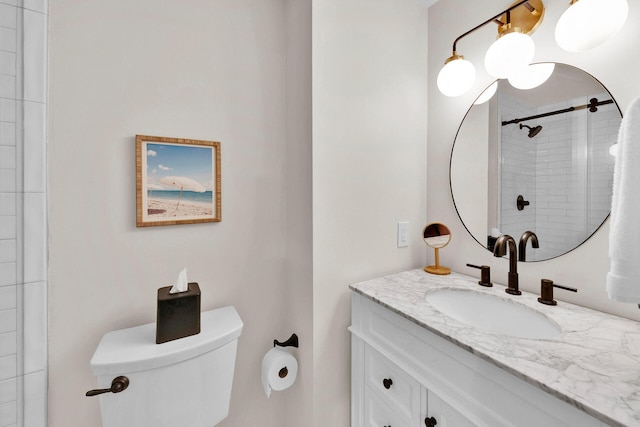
{"x": 179, "y": 160}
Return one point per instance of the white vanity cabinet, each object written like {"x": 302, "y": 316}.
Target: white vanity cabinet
{"x": 402, "y": 374}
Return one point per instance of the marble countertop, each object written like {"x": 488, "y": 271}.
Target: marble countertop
{"x": 594, "y": 364}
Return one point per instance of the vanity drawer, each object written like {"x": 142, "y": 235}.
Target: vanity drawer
{"x": 392, "y": 385}
{"x": 379, "y": 414}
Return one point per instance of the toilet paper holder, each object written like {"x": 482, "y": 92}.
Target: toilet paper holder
{"x": 291, "y": 342}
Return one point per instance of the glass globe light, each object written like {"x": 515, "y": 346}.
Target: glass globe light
{"x": 457, "y": 76}
{"x": 487, "y": 94}
{"x": 588, "y": 23}
{"x": 532, "y": 76}
{"x": 510, "y": 54}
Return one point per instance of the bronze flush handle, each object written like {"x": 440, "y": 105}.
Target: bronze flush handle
{"x": 117, "y": 385}
{"x": 387, "y": 383}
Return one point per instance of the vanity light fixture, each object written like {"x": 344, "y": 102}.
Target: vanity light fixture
{"x": 588, "y": 23}
{"x": 584, "y": 25}
{"x": 509, "y": 54}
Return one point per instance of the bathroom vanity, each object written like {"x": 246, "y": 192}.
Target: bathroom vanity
{"x": 412, "y": 365}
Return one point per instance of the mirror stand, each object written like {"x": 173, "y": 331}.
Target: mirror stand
{"x": 437, "y": 269}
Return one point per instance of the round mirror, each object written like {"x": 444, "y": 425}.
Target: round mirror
{"x": 537, "y": 160}
{"x": 437, "y": 235}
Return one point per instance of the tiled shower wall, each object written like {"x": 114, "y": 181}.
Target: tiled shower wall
{"x": 565, "y": 172}
{"x": 23, "y": 286}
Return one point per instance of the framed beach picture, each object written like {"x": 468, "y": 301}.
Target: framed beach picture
{"x": 177, "y": 181}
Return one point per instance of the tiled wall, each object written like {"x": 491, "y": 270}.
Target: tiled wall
{"x": 565, "y": 172}
{"x": 23, "y": 287}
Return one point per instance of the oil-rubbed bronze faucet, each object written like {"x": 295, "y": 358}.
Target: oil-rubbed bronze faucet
{"x": 522, "y": 245}
{"x": 500, "y": 250}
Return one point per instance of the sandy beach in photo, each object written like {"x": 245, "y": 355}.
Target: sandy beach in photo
{"x": 159, "y": 208}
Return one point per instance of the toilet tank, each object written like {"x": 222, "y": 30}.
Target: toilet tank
{"x": 185, "y": 382}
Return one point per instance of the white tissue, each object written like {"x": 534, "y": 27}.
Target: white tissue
{"x": 279, "y": 370}
{"x": 181, "y": 284}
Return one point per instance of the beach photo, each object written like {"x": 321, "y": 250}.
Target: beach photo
{"x": 177, "y": 181}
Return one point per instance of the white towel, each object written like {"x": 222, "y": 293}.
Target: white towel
{"x": 623, "y": 279}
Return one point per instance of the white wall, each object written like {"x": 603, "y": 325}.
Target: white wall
{"x": 202, "y": 70}
{"x": 587, "y": 266}
{"x": 369, "y": 157}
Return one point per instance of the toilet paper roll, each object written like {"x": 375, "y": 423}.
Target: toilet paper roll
{"x": 279, "y": 370}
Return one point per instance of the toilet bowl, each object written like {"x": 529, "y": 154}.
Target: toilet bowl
{"x": 185, "y": 382}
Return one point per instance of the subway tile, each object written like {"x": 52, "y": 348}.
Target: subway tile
{"x": 35, "y": 327}
{"x": 8, "y": 63}
{"x": 8, "y": 274}
{"x": 8, "y": 38}
{"x": 8, "y": 320}
{"x": 7, "y": 251}
{"x": 7, "y": 157}
{"x": 7, "y": 110}
{"x": 35, "y": 56}
{"x": 8, "y": 227}
{"x": 35, "y": 169}
{"x": 35, "y": 399}
{"x": 7, "y": 86}
{"x": 7, "y": 297}
{"x": 35, "y": 239}
{"x": 7, "y": 181}
{"x": 8, "y": 204}
{"x": 8, "y": 343}
{"x": 8, "y": 414}
{"x": 8, "y": 367}
{"x": 8, "y": 133}
{"x": 8, "y": 390}
{"x": 8, "y": 16}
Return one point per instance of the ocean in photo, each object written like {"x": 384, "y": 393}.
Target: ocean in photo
{"x": 187, "y": 196}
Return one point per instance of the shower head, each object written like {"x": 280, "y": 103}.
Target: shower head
{"x": 533, "y": 131}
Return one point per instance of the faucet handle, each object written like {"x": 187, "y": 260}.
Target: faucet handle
{"x": 546, "y": 291}
{"x": 485, "y": 275}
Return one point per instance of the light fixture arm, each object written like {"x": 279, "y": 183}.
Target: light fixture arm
{"x": 496, "y": 20}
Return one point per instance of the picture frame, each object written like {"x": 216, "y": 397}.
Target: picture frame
{"x": 177, "y": 181}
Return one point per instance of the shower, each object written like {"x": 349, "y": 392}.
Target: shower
{"x": 533, "y": 131}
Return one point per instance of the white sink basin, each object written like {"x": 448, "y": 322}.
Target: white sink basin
{"x": 492, "y": 313}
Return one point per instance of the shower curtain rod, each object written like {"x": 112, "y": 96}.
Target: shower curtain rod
{"x": 592, "y": 105}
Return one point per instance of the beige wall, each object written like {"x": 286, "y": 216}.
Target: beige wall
{"x": 613, "y": 63}
{"x": 369, "y": 168}
{"x": 203, "y": 70}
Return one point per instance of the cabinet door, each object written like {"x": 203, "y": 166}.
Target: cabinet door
{"x": 379, "y": 414}
{"x": 440, "y": 414}
{"x": 392, "y": 385}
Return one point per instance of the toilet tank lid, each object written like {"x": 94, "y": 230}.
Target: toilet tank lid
{"x": 135, "y": 349}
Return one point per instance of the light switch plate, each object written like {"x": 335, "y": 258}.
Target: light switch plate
{"x": 403, "y": 234}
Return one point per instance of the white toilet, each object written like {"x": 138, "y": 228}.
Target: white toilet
{"x": 185, "y": 382}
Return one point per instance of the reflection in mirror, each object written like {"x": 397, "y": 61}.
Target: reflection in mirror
{"x": 537, "y": 160}
{"x": 437, "y": 235}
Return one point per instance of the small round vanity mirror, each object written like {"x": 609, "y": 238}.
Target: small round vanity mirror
{"x": 437, "y": 235}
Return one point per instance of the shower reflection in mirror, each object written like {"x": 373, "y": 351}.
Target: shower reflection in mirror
{"x": 550, "y": 144}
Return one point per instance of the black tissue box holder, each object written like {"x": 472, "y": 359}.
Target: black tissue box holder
{"x": 178, "y": 314}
